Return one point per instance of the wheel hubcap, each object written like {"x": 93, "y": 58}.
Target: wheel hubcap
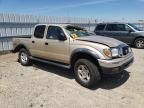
{"x": 83, "y": 73}
{"x": 140, "y": 44}
{"x": 24, "y": 57}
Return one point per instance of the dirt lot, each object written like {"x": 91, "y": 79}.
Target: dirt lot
{"x": 45, "y": 86}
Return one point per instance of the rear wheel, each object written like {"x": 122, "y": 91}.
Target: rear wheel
{"x": 24, "y": 57}
{"x": 139, "y": 43}
{"x": 86, "y": 73}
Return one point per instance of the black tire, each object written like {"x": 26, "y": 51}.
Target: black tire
{"x": 94, "y": 73}
{"x": 27, "y": 60}
{"x": 139, "y": 43}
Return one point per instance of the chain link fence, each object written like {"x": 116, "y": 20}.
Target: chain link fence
{"x": 12, "y": 25}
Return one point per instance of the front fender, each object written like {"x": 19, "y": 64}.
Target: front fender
{"x": 85, "y": 51}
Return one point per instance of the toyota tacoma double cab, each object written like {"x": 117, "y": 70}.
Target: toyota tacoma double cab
{"x": 87, "y": 55}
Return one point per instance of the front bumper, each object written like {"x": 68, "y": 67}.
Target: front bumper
{"x": 116, "y": 65}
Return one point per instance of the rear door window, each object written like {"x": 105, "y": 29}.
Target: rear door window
{"x": 100, "y": 27}
{"x": 111, "y": 27}
{"x": 116, "y": 27}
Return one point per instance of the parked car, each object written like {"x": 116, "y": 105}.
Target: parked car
{"x": 125, "y": 32}
{"x": 87, "y": 55}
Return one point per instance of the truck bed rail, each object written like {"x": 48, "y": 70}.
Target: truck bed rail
{"x": 21, "y": 36}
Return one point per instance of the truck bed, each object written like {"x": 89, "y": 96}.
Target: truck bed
{"x": 24, "y": 39}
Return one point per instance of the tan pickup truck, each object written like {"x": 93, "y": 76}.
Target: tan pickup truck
{"x": 86, "y": 54}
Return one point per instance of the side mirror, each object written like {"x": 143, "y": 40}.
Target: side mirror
{"x": 62, "y": 37}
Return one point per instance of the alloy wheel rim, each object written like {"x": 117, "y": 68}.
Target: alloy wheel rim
{"x": 83, "y": 73}
{"x": 24, "y": 57}
{"x": 140, "y": 44}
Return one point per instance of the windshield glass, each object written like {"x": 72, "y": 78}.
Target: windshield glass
{"x": 75, "y": 32}
{"x": 135, "y": 27}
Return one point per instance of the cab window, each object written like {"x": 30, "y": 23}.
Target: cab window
{"x": 39, "y": 31}
{"x": 53, "y": 32}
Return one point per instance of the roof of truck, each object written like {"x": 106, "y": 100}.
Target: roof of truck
{"x": 60, "y": 25}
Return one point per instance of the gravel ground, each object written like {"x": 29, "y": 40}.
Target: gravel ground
{"x": 46, "y": 86}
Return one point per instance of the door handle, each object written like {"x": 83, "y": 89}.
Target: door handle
{"x": 46, "y": 43}
{"x": 33, "y": 41}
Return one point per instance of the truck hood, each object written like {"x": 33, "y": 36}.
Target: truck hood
{"x": 102, "y": 40}
{"x": 140, "y": 33}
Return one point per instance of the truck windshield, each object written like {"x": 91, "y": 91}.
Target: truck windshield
{"x": 75, "y": 32}
{"x": 135, "y": 27}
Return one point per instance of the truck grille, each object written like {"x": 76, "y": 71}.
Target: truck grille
{"x": 125, "y": 50}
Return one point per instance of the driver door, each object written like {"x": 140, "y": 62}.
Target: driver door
{"x": 56, "y": 49}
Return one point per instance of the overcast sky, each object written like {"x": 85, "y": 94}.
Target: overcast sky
{"x": 101, "y": 9}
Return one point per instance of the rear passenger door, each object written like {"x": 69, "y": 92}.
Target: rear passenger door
{"x": 37, "y": 42}
{"x": 111, "y": 31}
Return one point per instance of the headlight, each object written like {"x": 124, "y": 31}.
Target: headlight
{"x": 107, "y": 52}
{"x": 115, "y": 52}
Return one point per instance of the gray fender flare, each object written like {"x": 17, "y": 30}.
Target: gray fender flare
{"x": 83, "y": 51}
{"x": 18, "y": 47}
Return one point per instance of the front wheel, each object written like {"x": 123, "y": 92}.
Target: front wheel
{"x": 24, "y": 57}
{"x": 86, "y": 73}
{"x": 139, "y": 43}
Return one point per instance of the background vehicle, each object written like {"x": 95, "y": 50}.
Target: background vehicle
{"x": 127, "y": 33}
{"x": 89, "y": 56}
